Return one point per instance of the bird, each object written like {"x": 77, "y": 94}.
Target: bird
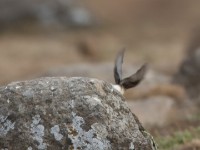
{"x": 122, "y": 84}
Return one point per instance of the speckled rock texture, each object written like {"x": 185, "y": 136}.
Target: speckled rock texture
{"x": 68, "y": 113}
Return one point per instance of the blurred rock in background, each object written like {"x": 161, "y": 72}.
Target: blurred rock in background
{"x": 189, "y": 70}
{"x": 45, "y": 13}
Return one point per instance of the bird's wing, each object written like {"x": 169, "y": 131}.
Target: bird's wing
{"x": 118, "y": 67}
{"x": 134, "y": 79}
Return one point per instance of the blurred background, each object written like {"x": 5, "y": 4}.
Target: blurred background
{"x": 82, "y": 38}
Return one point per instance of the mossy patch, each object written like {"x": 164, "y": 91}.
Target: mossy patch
{"x": 173, "y": 142}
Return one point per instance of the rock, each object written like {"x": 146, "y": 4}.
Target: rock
{"x": 46, "y": 12}
{"x": 68, "y": 113}
{"x": 188, "y": 75}
{"x": 189, "y": 70}
{"x": 80, "y": 17}
{"x": 154, "y": 94}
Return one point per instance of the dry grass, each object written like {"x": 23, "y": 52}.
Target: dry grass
{"x": 192, "y": 145}
{"x": 182, "y": 140}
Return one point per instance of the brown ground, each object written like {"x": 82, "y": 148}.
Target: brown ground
{"x": 156, "y": 32}
{"x": 26, "y": 54}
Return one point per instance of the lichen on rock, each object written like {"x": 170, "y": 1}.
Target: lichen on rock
{"x": 68, "y": 113}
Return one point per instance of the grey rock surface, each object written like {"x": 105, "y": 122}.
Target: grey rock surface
{"x": 68, "y": 113}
